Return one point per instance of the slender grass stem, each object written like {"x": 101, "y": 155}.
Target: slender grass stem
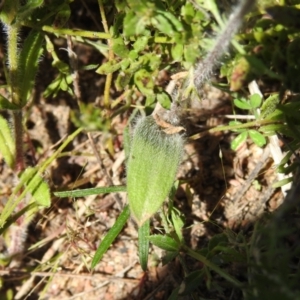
{"x": 256, "y": 123}
{"x": 91, "y": 34}
{"x": 109, "y": 76}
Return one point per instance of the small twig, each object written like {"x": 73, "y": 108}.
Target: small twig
{"x": 239, "y": 117}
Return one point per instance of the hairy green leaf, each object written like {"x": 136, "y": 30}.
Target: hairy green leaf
{"x": 151, "y": 168}
{"x": 164, "y": 242}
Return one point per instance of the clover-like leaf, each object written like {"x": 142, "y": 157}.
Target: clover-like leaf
{"x": 257, "y": 138}
{"x": 240, "y": 139}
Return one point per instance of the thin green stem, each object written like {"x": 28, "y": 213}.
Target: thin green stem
{"x": 109, "y": 77}
{"x": 75, "y": 32}
{"x": 255, "y": 123}
{"x": 91, "y": 34}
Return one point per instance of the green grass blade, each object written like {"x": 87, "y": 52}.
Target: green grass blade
{"x": 110, "y": 236}
{"x": 29, "y": 59}
{"x": 144, "y": 232}
{"x": 92, "y": 191}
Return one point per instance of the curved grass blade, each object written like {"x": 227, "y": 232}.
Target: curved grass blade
{"x": 111, "y": 236}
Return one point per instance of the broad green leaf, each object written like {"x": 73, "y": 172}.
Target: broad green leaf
{"x": 111, "y": 236}
{"x": 257, "y": 138}
{"x": 151, "y": 167}
{"x": 7, "y": 147}
{"x": 242, "y": 104}
{"x": 133, "y": 55}
{"x": 188, "y": 12}
{"x": 141, "y": 43}
{"x": 163, "y": 24}
{"x": 255, "y": 100}
{"x": 164, "y": 242}
{"x": 120, "y": 48}
{"x": 177, "y": 52}
{"x": 143, "y": 233}
{"x": 240, "y": 139}
{"x": 172, "y": 19}
{"x": 130, "y": 24}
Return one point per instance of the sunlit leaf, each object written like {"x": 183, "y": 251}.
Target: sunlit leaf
{"x": 239, "y": 140}
{"x": 257, "y": 138}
